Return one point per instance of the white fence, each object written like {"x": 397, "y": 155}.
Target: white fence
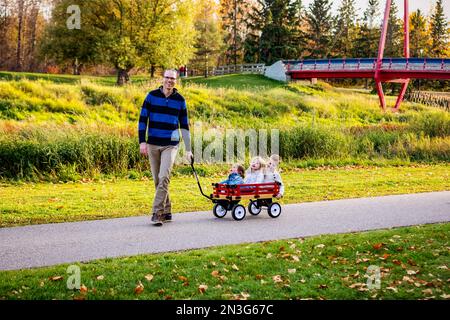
{"x": 257, "y": 68}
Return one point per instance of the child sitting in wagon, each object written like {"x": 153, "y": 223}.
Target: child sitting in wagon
{"x": 255, "y": 173}
{"x": 236, "y": 175}
{"x": 271, "y": 173}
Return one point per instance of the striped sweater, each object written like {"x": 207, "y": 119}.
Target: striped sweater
{"x": 161, "y": 118}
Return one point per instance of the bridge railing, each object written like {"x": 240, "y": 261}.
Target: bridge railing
{"x": 416, "y": 64}
{"x": 257, "y": 68}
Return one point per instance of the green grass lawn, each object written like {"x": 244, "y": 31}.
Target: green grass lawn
{"x": 413, "y": 264}
{"x": 33, "y": 203}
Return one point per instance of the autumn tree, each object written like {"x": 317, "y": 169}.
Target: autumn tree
{"x": 235, "y": 15}
{"x": 131, "y": 33}
{"x": 419, "y": 38}
{"x": 66, "y": 45}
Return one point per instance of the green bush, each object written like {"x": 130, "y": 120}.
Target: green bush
{"x": 313, "y": 142}
{"x": 432, "y": 124}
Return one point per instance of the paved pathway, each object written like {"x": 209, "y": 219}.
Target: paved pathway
{"x": 50, "y": 244}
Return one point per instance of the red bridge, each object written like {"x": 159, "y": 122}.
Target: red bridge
{"x": 381, "y": 69}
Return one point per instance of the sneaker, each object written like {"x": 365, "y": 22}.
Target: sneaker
{"x": 157, "y": 220}
{"x": 167, "y": 217}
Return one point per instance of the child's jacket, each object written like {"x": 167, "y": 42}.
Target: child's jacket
{"x": 234, "y": 178}
{"x": 274, "y": 177}
{"x": 254, "y": 177}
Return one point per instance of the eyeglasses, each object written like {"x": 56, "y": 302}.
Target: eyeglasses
{"x": 170, "y": 78}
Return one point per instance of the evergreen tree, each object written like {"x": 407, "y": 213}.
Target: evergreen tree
{"x": 345, "y": 31}
{"x": 394, "y": 36}
{"x": 209, "y": 41}
{"x": 296, "y": 23}
{"x": 276, "y": 38}
{"x": 234, "y": 14}
{"x": 320, "y": 24}
{"x": 276, "y": 31}
{"x": 368, "y": 35}
{"x": 439, "y": 32}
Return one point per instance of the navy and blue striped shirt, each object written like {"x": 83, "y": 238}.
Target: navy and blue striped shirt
{"x": 163, "y": 117}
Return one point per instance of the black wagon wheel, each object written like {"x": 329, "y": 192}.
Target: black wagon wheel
{"x": 238, "y": 212}
{"x": 253, "y": 208}
{"x": 274, "y": 210}
{"x": 219, "y": 211}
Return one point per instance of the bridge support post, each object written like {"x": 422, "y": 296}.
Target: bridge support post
{"x": 401, "y": 95}
{"x": 381, "y": 94}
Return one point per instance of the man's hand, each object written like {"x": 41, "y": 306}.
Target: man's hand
{"x": 189, "y": 156}
{"x": 143, "y": 149}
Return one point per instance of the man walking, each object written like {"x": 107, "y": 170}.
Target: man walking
{"x": 162, "y": 116}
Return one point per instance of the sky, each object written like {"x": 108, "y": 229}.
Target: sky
{"x": 424, "y": 5}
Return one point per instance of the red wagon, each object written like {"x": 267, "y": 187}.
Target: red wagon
{"x": 227, "y": 197}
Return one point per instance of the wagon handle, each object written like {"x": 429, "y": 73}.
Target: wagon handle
{"x": 196, "y": 177}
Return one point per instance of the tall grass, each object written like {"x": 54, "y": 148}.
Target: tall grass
{"x": 65, "y": 131}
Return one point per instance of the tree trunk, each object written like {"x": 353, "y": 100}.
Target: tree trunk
{"x": 122, "y": 76}
{"x": 18, "y": 66}
{"x": 32, "y": 48}
{"x": 76, "y": 66}
{"x": 152, "y": 71}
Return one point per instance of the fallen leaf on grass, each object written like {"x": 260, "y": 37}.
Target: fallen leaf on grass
{"x": 427, "y": 291}
{"x": 320, "y": 246}
{"x": 83, "y": 289}
{"x": 149, "y": 277}
{"x": 241, "y": 296}
{"x": 101, "y": 277}
{"x": 202, "y": 288}
{"x": 411, "y": 272}
{"x": 445, "y": 296}
{"x": 295, "y": 258}
{"x": 235, "y": 267}
{"x": 393, "y": 289}
{"x": 377, "y": 246}
{"x": 412, "y": 262}
{"x": 385, "y": 256}
{"x": 292, "y": 270}
{"x": 183, "y": 278}
{"x": 215, "y": 273}
{"x": 277, "y": 278}
{"x": 396, "y": 262}
{"x": 56, "y": 278}
{"x": 139, "y": 288}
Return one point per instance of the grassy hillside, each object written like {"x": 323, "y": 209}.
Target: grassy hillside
{"x": 51, "y": 124}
